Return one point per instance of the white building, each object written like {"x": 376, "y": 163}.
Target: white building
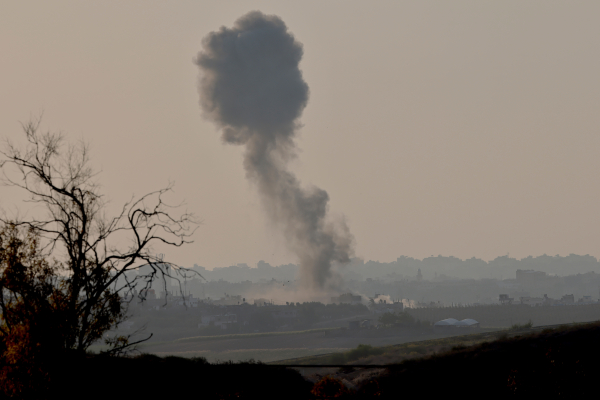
{"x": 532, "y": 301}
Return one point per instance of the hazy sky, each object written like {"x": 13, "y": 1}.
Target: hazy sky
{"x": 462, "y": 128}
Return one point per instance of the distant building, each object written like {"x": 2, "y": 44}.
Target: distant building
{"x": 567, "y": 299}
{"x": 586, "y": 300}
{"x": 510, "y": 284}
{"x": 347, "y": 298}
{"x": 229, "y": 300}
{"x": 188, "y": 301}
{"x": 533, "y": 301}
{"x": 261, "y": 302}
{"x": 504, "y": 299}
{"x": 382, "y": 307}
{"x": 548, "y": 301}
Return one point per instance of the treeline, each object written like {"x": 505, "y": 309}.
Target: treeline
{"x": 404, "y": 267}
{"x": 243, "y": 272}
{"x": 441, "y": 267}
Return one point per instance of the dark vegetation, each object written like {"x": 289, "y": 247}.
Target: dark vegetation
{"x": 63, "y": 267}
{"x": 394, "y": 354}
{"x": 361, "y": 351}
{"x": 152, "y": 377}
{"x": 552, "y": 363}
{"x": 521, "y": 327}
{"x": 558, "y": 362}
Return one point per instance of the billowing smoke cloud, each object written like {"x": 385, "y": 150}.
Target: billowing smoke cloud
{"x": 251, "y": 86}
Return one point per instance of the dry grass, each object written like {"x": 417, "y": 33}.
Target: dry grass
{"x": 397, "y": 353}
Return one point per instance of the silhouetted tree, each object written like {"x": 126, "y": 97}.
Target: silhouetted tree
{"x": 93, "y": 252}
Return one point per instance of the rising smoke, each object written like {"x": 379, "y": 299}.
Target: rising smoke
{"x": 251, "y": 86}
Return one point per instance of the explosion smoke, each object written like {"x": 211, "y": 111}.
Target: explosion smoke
{"x": 252, "y": 88}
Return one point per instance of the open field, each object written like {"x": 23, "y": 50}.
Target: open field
{"x": 396, "y": 353}
{"x": 398, "y": 343}
{"x": 273, "y": 346}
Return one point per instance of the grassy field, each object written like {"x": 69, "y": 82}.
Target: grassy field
{"x": 393, "y": 354}
{"x": 399, "y": 352}
{"x": 145, "y": 347}
{"x": 273, "y": 346}
{"x": 324, "y": 346}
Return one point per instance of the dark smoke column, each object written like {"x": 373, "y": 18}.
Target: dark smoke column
{"x": 251, "y": 86}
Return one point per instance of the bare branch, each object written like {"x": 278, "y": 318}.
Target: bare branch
{"x": 96, "y": 251}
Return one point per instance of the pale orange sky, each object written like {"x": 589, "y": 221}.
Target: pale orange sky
{"x": 462, "y": 128}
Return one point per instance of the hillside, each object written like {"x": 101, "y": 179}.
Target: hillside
{"x": 559, "y": 362}
{"x": 395, "y": 353}
{"x": 273, "y": 346}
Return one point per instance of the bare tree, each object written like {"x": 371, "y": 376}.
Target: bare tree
{"x": 95, "y": 251}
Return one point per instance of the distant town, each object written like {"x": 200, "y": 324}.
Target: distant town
{"x": 433, "y": 281}
{"x": 437, "y": 292}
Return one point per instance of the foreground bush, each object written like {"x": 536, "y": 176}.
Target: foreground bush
{"x": 361, "y": 351}
{"x": 152, "y": 377}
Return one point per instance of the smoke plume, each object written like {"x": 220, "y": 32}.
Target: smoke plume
{"x": 251, "y": 86}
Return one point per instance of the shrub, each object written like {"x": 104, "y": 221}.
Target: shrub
{"x": 362, "y": 351}
{"x": 520, "y": 327}
{"x": 400, "y": 319}
{"x": 329, "y": 388}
